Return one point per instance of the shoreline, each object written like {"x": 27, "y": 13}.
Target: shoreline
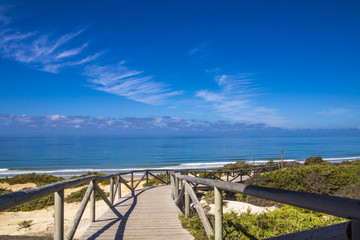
{"x": 67, "y": 173}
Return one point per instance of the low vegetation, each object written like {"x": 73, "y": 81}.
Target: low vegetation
{"x": 155, "y": 182}
{"x": 103, "y": 182}
{"x": 38, "y": 179}
{"x": 36, "y": 204}
{"x": 264, "y": 225}
{"x": 79, "y": 195}
{"x": 316, "y": 176}
{"x": 25, "y": 224}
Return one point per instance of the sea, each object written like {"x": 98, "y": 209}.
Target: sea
{"x": 68, "y": 156}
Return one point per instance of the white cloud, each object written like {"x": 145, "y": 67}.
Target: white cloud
{"x": 56, "y": 117}
{"x": 132, "y": 84}
{"x": 235, "y": 100}
{"x": 43, "y": 51}
{"x": 334, "y": 111}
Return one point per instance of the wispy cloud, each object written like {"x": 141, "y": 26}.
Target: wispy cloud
{"x": 132, "y": 84}
{"x": 200, "y": 50}
{"x": 43, "y": 51}
{"x": 49, "y": 53}
{"x": 235, "y": 100}
{"x": 334, "y": 111}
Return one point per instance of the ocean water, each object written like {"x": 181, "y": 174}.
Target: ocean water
{"x": 75, "y": 155}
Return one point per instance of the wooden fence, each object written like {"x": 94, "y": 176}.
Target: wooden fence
{"x": 183, "y": 190}
{"x": 16, "y": 198}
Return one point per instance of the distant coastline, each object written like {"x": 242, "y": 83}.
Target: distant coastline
{"x": 66, "y": 173}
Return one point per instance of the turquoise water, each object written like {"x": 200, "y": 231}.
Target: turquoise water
{"x": 73, "y": 155}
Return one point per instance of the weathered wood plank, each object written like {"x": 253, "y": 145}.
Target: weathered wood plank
{"x": 150, "y": 214}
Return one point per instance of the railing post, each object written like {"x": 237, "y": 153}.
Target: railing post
{"x": 187, "y": 203}
{"x": 218, "y": 214}
{"x": 167, "y": 177}
{"x": 147, "y": 178}
{"x": 59, "y": 215}
{"x": 119, "y": 187}
{"x": 176, "y": 187}
{"x": 355, "y": 229}
{"x": 227, "y": 176}
{"x": 92, "y": 205}
{"x": 132, "y": 183}
{"x": 112, "y": 191}
{"x": 172, "y": 186}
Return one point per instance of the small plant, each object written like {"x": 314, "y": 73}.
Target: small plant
{"x": 25, "y": 224}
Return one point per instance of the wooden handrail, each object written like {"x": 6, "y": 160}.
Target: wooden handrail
{"x": 337, "y": 206}
{"x": 16, "y": 198}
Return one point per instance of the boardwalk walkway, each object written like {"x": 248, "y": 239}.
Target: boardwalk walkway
{"x": 150, "y": 214}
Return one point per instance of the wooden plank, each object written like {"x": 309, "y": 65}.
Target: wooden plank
{"x": 181, "y": 195}
{"x": 157, "y": 178}
{"x": 102, "y": 195}
{"x": 142, "y": 178}
{"x": 71, "y": 231}
{"x": 150, "y": 214}
{"x": 205, "y": 221}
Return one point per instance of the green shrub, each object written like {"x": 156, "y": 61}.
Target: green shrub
{"x": 351, "y": 191}
{"x": 103, "y": 182}
{"x": 265, "y": 225}
{"x": 79, "y": 195}
{"x": 155, "y": 182}
{"x": 314, "y": 160}
{"x": 238, "y": 164}
{"x": 36, "y": 204}
{"x": 5, "y": 191}
{"x": 194, "y": 226}
{"x": 38, "y": 179}
{"x": 321, "y": 179}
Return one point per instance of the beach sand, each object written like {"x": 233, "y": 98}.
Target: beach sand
{"x": 43, "y": 220}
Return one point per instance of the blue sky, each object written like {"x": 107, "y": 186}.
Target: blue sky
{"x": 256, "y": 64}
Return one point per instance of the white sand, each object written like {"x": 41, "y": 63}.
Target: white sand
{"x": 43, "y": 220}
{"x": 239, "y": 207}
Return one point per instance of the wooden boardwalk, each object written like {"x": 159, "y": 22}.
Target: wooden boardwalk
{"x": 150, "y": 214}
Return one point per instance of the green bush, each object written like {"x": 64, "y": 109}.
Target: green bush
{"x": 238, "y": 164}
{"x": 36, "y": 204}
{"x": 321, "y": 179}
{"x": 38, "y": 179}
{"x": 314, "y": 160}
{"x": 5, "y": 191}
{"x": 265, "y": 225}
{"x": 351, "y": 191}
{"x": 155, "y": 182}
{"x": 79, "y": 195}
{"x": 103, "y": 182}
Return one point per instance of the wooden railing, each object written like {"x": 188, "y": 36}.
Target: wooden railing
{"x": 182, "y": 190}
{"x": 16, "y": 198}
